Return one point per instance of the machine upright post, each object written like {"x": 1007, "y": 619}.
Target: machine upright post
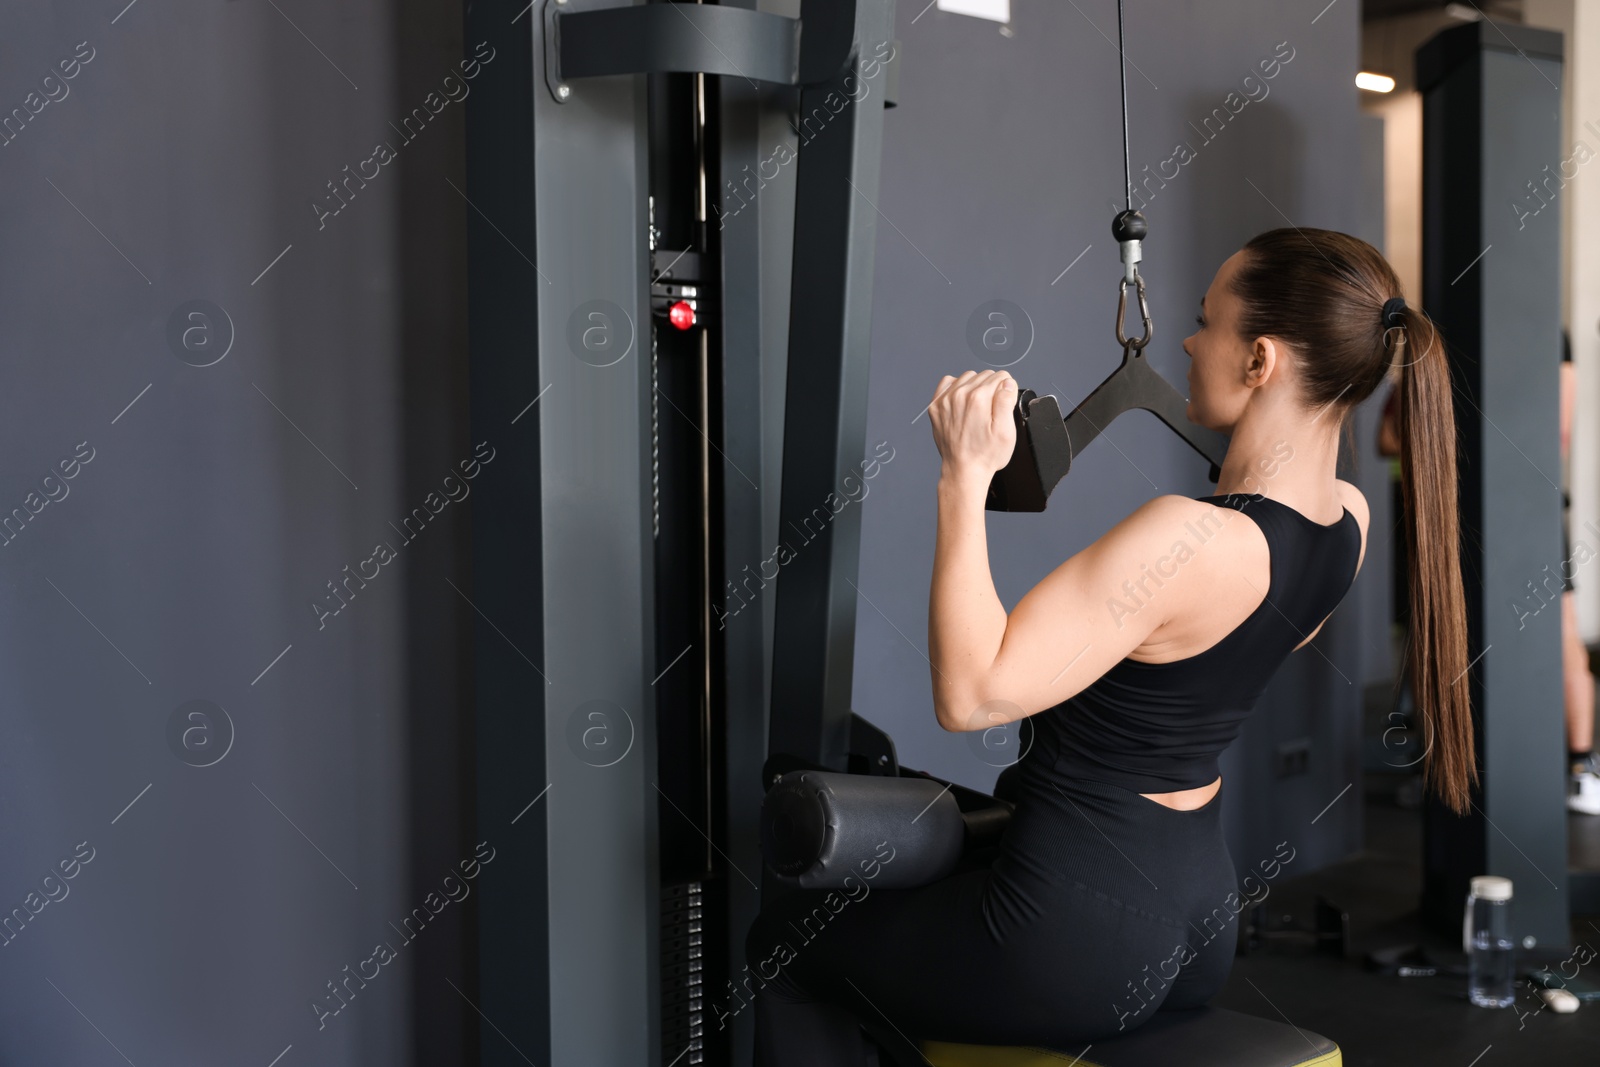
{"x": 1492, "y": 284}
{"x": 824, "y": 433}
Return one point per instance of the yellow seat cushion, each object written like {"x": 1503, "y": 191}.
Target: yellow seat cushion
{"x": 1209, "y": 1037}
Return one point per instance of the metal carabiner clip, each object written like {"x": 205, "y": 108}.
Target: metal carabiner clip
{"x": 1135, "y": 343}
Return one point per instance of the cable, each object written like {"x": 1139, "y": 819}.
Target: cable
{"x": 1122, "y": 61}
{"x": 1129, "y": 226}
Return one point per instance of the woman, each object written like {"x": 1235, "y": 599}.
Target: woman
{"x": 1112, "y": 894}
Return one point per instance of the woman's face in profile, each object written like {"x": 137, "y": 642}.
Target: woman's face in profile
{"x": 1218, "y": 356}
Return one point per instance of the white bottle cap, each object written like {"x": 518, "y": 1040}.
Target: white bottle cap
{"x": 1491, "y": 887}
{"x": 1561, "y": 1002}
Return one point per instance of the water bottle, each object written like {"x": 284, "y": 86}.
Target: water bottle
{"x": 1486, "y": 936}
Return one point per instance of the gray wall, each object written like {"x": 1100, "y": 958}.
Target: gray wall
{"x": 1002, "y": 164}
{"x": 185, "y": 555}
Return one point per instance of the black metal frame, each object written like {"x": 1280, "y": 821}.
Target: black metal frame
{"x": 589, "y": 466}
{"x": 825, "y": 420}
{"x": 662, "y": 38}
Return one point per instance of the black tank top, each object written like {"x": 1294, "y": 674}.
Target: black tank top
{"x": 1159, "y": 727}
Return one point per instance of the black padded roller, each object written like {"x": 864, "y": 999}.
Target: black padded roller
{"x": 820, "y": 827}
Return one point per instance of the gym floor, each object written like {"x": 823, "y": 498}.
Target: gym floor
{"x": 1381, "y": 1020}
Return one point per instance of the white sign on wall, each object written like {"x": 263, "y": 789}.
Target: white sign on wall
{"x": 998, "y": 10}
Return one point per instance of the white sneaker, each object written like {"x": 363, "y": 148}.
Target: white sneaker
{"x": 1586, "y": 797}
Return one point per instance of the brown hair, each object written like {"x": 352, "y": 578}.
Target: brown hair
{"x": 1322, "y": 294}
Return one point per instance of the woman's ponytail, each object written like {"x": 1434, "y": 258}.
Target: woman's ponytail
{"x": 1437, "y": 638}
{"x": 1332, "y": 299}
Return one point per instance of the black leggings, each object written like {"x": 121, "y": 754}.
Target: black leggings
{"x": 1098, "y": 908}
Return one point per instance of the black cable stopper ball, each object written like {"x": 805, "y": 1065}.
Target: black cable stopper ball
{"x": 1129, "y": 226}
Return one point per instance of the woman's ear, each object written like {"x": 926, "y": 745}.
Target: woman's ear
{"x": 1264, "y": 357}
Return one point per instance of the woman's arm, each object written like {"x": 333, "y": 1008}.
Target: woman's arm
{"x": 989, "y": 667}
{"x": 1083, "y": 618}
{"x": 966, "y": 621}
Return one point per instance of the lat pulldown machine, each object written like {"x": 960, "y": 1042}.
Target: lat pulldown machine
{"x": 623, "y": 735}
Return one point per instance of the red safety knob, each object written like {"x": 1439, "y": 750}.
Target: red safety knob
{"x": 681, "y": 315}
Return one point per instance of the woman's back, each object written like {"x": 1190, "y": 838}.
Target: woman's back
{"x": 1156, "y": 727}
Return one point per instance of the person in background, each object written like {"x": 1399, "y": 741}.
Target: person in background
{"x": 1577, "y": 680}
{"x": 1583, "y": 792}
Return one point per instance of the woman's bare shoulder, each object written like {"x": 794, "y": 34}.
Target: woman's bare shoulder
{"x": 1171, "y": 521}
{"x": 1161, "y": 513}
{"x": 1352, "y": 498}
